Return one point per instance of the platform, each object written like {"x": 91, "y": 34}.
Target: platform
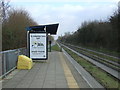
{"x": 56, "y": 72}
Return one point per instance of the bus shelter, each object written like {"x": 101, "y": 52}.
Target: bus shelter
{"x": 37, "y": 40}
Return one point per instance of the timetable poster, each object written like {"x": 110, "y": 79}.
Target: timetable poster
{"x": 38, "y": 47}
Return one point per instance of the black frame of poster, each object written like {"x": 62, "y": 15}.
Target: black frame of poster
{"x": 46, "y": 45}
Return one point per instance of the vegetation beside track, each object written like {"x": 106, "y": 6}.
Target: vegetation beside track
{"x": 55, "y": 48}
{"x": 114, "y": 64}
{"x": 102, "y": 50}
{"x": 102, "y": 35}
{"x": 104, "y": 56}
{"x": 101, "y": 76}
{"x": 97, "y": 54}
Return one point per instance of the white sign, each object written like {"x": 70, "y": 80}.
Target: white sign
{"x": 38, "y": 48}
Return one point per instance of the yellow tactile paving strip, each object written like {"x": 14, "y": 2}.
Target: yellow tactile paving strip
{"x": 69, "y": 77}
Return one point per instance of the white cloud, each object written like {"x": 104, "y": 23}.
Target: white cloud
{"x": 70, "y": 16}
{"x": 65, "y": 15}
{"x": 64, "y": 0}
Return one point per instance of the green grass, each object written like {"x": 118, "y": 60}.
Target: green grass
{"x": 103, "y": 56}
{"x": 99, "y": 55}
{"x": 101, "y": 76}
{"x": 55, "y": 48}
{"x": 103, "y": 50}
{"x": 103, "y": 61}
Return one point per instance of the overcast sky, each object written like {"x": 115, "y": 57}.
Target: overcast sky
{"x": 68, "y": 13}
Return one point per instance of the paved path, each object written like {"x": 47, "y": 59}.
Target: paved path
{"x": 54, "y": 73}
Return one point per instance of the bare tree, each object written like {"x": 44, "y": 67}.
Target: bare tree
{"x": 119, "y": 7}
{"x": 4, "y": 6}
{"x": 14, "y": 33}
{"x": 1, "y": 12}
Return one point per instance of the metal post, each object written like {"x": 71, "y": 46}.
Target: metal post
{"x": 50, "y": 45}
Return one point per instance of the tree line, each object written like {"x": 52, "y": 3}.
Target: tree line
{"x": 13, "y": 29}
{"x": 97, "y": 34}
{"x": 14, "y": 22}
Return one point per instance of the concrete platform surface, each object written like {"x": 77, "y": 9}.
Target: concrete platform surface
{"x": 52, "y": 73}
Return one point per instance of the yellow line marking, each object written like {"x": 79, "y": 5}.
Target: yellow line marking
{"x": 69, "y": 77}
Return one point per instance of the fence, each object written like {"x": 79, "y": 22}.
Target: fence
{"x": 8, "y": 60}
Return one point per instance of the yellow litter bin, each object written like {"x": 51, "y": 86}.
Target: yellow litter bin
{"x": 24, "y": 62}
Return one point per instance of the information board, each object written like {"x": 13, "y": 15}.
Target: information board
{"x": 38, "y": 46}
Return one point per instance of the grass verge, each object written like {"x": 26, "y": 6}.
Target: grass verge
{"x": 102, "y": 50}
{"x": 103, "y": 56}
{"x": 98, "y": 54}
{"x": 55, "y": 48}
{"x": 101, "y": 76}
